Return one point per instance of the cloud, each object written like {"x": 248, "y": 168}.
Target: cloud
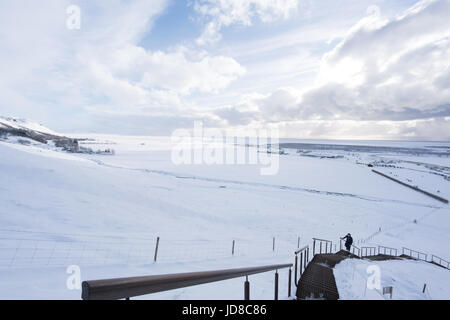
{"x": 49, "y": 72}
{"x": 223, "y": 13}
{"x": 382, "y": 70}
{"x": 414, "y": 130}
{"x": 386, "y": 70}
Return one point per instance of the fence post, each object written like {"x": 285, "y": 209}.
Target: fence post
{"x": 298, "y": 243}
{"x": 276, "y": 285}
{"x": 273, "y": 249}
{"x": 232, "y": 249}
{"x": 156, "y": 249}
{"x": 320, "y": 247}
{"x": 246, "y": 289}
{"x": 314, "y": 246}
{"x": 424, "y": 287}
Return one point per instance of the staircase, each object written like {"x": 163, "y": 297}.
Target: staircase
{"x": 318, "y": 282}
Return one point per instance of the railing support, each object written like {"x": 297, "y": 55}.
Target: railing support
{"x": 289, "y": 282}
{"x": 246, "y": 289}
{"x": 296, "y": 270}
{"x": 301, "y": 263}
{"x": 276, "y": 285}
{"x": 232, "y": 249}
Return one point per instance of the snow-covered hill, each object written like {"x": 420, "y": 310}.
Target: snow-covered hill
{"x": 104, "y": 213}
{"x": 24, "y": 124}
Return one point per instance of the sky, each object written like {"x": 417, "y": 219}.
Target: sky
{"x": 328, "y": 69}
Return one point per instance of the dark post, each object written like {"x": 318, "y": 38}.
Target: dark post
{"x": 298, "y": 243}
{"x": 314, "y": 246}
{"x": 290, "y": 281}
{"x": 232, "y": 249}
{"x": 424, "y": 287}
{"x": 273, "y": 244}
{"x": 305, "y": 261}
{"x": 320, "y": 247}
{"x": 301, "y": 263}
{"x": 326, "y": 247}
{"x": 246, "y": 289}
{"x": 296, "y": 270}
{"x": 276, "y": 285}
{"x": 156, "y": 249}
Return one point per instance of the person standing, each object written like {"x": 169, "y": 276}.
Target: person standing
{"x": 348, "y": 241}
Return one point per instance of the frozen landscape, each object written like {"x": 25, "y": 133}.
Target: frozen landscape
{"x": 104, "y": 212}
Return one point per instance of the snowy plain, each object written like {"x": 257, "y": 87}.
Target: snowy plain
{"x": 104, "y": 213}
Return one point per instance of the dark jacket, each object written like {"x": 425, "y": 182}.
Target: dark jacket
{"x": 348, "y": 240}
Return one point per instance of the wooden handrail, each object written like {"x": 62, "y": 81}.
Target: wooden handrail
{"x": 122, "y": 288}
{"x": 302, "y": 249}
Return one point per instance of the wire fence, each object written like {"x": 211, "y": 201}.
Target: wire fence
{"x": 28, "y": 250}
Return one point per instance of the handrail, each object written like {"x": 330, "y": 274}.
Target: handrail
{"x": 320, "y": 245}
{"x": 302, "y": 249}
{"x": 372, "y": 251}
{"x": 304, "y": 259}
{"x": 440, "y": 261}
{"x": 414, "y": 251}
{"x": 359, "y": 250}
{"x": 385, "y": 249}
{"x": 124, "y": 288}
{"x": 322, "y": 240}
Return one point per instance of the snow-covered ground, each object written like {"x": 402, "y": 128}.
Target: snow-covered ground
{"x": 104, "y": 213}
{"x": 407, "y": 278}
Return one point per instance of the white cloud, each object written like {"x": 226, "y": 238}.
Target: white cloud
{"x": 387, "y": 69}
{"x": 49, "y": 70}
{"x": 223, "y": 13}
{"x": 384, "y": 70}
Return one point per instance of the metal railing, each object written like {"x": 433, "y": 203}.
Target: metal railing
{"x": 387, "y": 251}
{"x": 326, "y": 245}
{"x": 414, "y": 254}
{"x": 303, "y": 254}
{"x": 125, "y": 288}
{"x": 368, "y": 251}
{"x": 440, "y": 261}
{"x": 355, "y": 250}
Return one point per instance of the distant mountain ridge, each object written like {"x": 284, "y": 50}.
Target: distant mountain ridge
{"x": 14, "y": 127}
{"x": 28, "y": 132}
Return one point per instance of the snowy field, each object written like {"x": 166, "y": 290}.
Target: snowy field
{"x": 407, "y": 278}
{"x": 104, "y": 213}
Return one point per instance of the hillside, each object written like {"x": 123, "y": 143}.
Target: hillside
{"x": 104, "y": 213}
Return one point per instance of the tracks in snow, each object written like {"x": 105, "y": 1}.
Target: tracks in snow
{"x": 263, "y": 185}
